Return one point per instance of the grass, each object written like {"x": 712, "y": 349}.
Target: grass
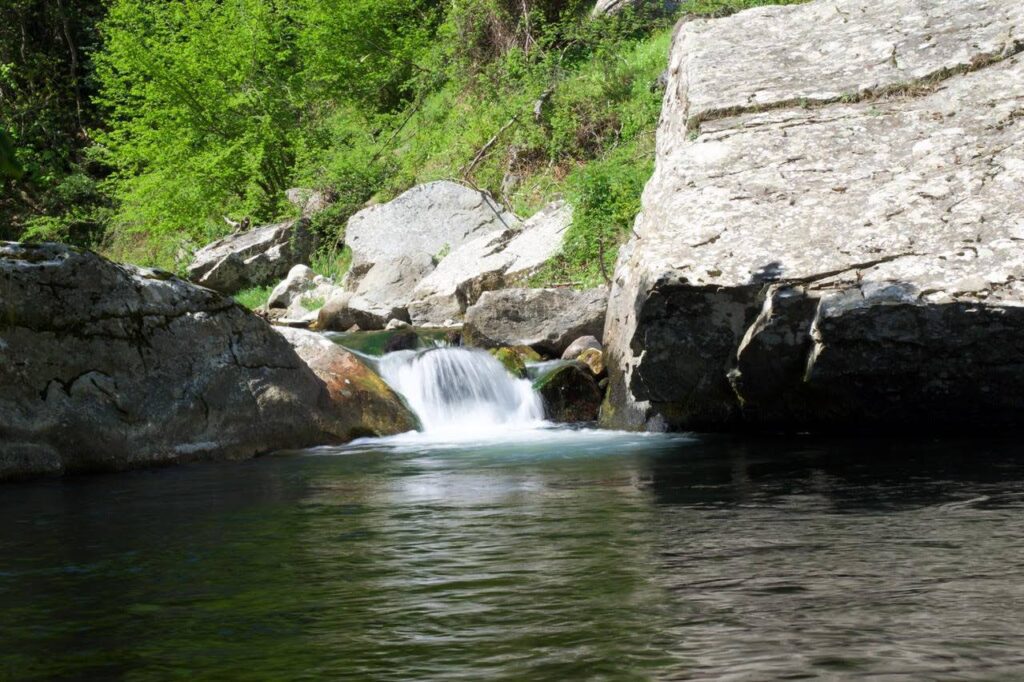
{"x": 253, "y": 297}
{"x": 312, "y": 303}
{"x": 332, "y": 263}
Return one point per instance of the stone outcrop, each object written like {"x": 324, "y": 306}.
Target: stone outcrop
{"x": 494, "y": 261}
{"x": 395, "y": 245}
{"x": 832, "y": 240}
{"x": 258, "y": 257}
{"x": 106, "y": 366}
{"x": 547, "y": 320}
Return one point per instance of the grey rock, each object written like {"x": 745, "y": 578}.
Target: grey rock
{"x": 426, "y": 220}
{"x": 309, "y": 201}
{"x": 306, "y": 305}
{"x": 299, "y": 280}
{"x": 493, "y": 261}
{"x": 395, "y": 245}
{"x": 107, "y": 366}
{"x": 335, "y": 315}
{"x": 812, "y": 254}
{"x": 383, "y": 293}
{"x": 612, "y": 7}
{"x": 579, "y": 345}
{"x": 547, "y": 320}
{"x": 258, "y": 257}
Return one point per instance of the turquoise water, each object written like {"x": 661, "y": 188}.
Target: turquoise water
{"x": 560, "y": 556}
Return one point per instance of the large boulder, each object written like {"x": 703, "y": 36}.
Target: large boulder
{"x": 352, "y": 385}
{"x": 547, "y": 320}
{"x": 383, "y": 292}
{"x": 258, "y": 257}
{"x": 493, "y": 261}
{"x": 395, "y": 245}
{"x": 106, "y": 366}
{"x": 832, "y": 240}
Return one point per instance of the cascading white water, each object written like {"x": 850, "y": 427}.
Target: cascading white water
{"x": 462, "y": 392}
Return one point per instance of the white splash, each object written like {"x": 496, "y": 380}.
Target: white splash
{"x": 461, "y": 393}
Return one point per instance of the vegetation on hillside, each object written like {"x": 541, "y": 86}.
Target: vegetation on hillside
{"x": 138, "y": 126}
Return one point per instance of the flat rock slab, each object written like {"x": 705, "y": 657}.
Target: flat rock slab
{"x": 831, "y": 240}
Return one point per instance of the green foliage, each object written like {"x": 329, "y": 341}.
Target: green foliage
{"x": 46, "y": 181}
{"x": 254, "y": 297}
{"x": 198, "y": 95}
{"x": 139, "y": 125}
{"x": 605, "y": 195}
{"x": 312, "y": 303}
{"x": 332, "y": 263}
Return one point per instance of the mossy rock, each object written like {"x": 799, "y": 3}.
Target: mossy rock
{"x": 570, "y": 394}
{"x": 514, "y": 358}
{"x": 593, "y": 359}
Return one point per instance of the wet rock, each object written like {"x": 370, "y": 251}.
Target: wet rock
{"x": 257, "y": 257}
{"x": 579, "y": 345}
{"x": 813, "y": 255}
{"x": 570, "y": 394}
{"x": 547, "y": 320}
{"x": 515, "y": 358}
{"x": 107, "y": 366}
{"x": 354, "y": 388}
{"x": 494, "y": 261}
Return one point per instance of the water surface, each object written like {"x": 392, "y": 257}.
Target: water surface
{"x": 549, "y": 557}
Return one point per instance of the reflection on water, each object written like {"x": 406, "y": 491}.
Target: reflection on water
{"x": 570, "y": 556}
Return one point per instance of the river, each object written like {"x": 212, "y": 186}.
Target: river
{"x": 562, "y": 555}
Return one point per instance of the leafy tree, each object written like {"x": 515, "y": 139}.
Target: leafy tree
{"x": 48, "y": 187}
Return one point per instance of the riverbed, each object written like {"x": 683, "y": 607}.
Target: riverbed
{"x": 573, "y": 555}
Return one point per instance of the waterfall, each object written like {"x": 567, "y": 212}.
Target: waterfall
{"x": 462, "y": 392}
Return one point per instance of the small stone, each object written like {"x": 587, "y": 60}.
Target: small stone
{"x": 579, "y": 345}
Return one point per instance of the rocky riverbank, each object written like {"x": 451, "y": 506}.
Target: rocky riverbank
{"x": 107, "y": 366}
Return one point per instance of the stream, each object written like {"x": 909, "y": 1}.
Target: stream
{"x": 516, "y": 549}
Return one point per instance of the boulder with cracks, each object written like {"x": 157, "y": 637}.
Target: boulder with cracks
{"x": 106, "y": 366}
{"x": 832, "y": 241}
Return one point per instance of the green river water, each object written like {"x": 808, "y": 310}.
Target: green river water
{"x": 562, "y": 555}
